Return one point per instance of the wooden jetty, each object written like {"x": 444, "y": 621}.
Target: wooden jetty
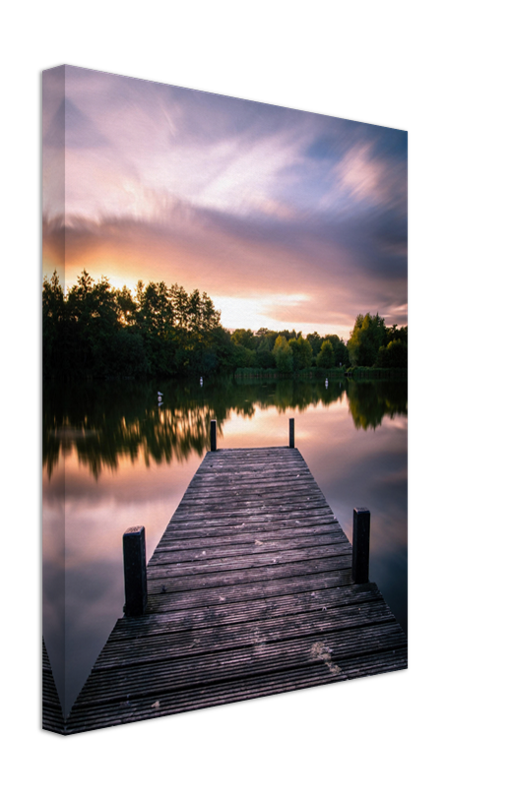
{"x": 250, "y": 593}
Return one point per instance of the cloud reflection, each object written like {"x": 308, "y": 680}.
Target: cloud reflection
{"x": 136, "y": 428}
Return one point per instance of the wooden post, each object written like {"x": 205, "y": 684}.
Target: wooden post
{"x": 360, "y": 555}
{"x": 213, "y": 435}
{"x": 135, "y": 571}
{"x": 292, "y": 433}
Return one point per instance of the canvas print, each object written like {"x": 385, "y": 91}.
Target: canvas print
{"x": 225, "y": 340}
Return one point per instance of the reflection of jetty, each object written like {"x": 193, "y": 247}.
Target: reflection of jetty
{"x": 250, "y": 592}
{"x": 52, "y": 717}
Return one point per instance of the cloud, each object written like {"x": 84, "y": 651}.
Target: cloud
{"x": 197, "y": 148}
{"x": 360, "y": 175}
{"x": 239, "y": 257}
{"x": 236, "y": 198}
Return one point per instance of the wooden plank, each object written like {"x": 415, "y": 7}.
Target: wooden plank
{"x": 250, "y": 593}
{"x": 162, "y": 566}
{"x": 228, "y": 533}
{"x": 249, "y": 687}
{"x": 211, "y": 596}
{"x": 266, "y": 657}
{"x": 237, "y": 577}
{"x": 237, "y": 533}
{"x": 253, "y": 547}
{"x": 52, "y": 716}
{"x": 268, "y": 607}
{"x": 191, "y": 642}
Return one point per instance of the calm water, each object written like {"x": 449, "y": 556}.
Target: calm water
{"x": 112, "y": 458}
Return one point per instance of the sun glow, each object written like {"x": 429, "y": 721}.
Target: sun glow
{"x": 257, "y": 312}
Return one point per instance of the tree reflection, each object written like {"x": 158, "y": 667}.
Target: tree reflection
{"x": 370, "y": 401}
{"x": 104, "y": 422}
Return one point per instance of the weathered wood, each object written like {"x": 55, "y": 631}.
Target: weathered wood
{"x": 135, "y": 571}
{"x": 175, "y": 644}
{"x": 249, "y": 593}
{"x": 292, "y": 433}
{"x": 360, "y": 543}
{"x": 250, "y": 686}
{"x": 52, "y": 716}
{"x": 210, "y": 617}
{"x": 140, "y": 679}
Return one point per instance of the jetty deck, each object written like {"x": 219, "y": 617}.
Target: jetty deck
{"x": 250, "y": 593}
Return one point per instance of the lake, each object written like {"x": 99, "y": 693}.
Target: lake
{"x": 113, "y": 457}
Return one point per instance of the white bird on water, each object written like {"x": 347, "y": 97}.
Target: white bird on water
{"x": 159, "y": 398}
{"x": 326, "y": 383}
{"x": 201, "y": 381}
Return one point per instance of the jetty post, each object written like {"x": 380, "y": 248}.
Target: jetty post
{"x": 213, "y": 435}
{"x": 135, "y": 571}
{"x": 360, "y": 544}
{"x": 292, "y": 433}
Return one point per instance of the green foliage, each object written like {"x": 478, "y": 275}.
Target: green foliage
{"x": 98, "y": 331}
{"x": 302, "y": 353}
{"x": 221, "y": 349}
{"x": 325, "y": 359}
{"x": 243, "y": 357}
{"x": 395, "y": 355}
{"x": 246, "y": 338}
{"x": 395, "y": 333}
{"x": 366, "y": 338}
{"x": 315, "y": 340}
{"x": 264, "y": 354}
{"x": 372, "y": 344}
{"x": 341, "y": 355}
{"x": 283, "y": 355}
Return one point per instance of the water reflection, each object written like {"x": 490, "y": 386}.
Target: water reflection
{"x": 371, "y": 401}
{"x": 113, "y": 457}
{"x": 106, "y": 422}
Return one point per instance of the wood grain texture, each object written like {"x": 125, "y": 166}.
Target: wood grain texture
{"x": 52, "y": 717}
{"x": 250, "y": 593}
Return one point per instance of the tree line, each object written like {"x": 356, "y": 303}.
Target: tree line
{"x": 95, "y": 330}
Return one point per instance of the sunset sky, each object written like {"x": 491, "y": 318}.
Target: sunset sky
{"x": 286, "y": 219}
